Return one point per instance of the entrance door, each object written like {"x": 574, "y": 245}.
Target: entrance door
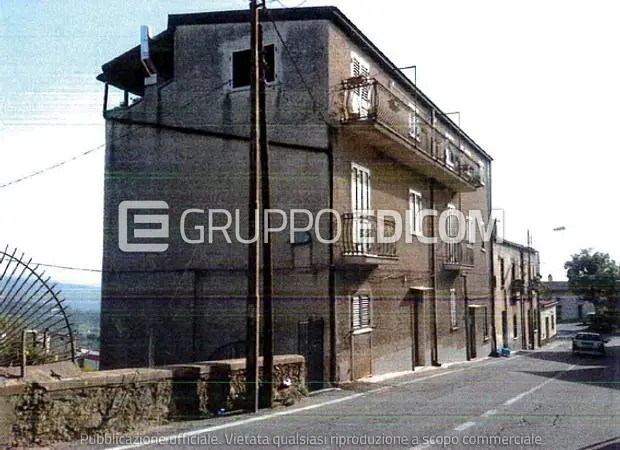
{"x": 417, "y": 352}
{"x": 310, "y": 346}
{"x": 505, "y": 328}
{"x": 472, "y": 333}
{"x": 547, "y": 331}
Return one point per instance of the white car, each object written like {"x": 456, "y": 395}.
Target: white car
{"x": 589, "y": 344}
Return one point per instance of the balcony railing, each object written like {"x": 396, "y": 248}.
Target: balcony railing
{"x": 363, "y": 235}
{"x": 457, "y": 255}
{"x": 366, "y": 101}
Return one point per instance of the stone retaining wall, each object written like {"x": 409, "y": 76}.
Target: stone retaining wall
{"x": 59, "y": 405}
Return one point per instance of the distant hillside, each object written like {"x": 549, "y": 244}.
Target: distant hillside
{"x": 82, "y": 297}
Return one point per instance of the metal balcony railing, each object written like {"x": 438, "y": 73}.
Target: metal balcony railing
{"x": 362, "y": 234}
{"x": 457, "y": 254}
{"x": 368, "y": 101}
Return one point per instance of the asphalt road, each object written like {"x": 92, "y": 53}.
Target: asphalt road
{"x": 547, "y": 398}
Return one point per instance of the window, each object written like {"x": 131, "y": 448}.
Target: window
{"x": 360, "y": 206}
{"x": 360, "y": 312}
{"x": 415, "y": 207}
{"x": 452, "y": 230}
{"x": 242, "y": 66}
{"x": 453, "y": 308}
{"x": 449, "y": 160}
{"x": 553, "y": 322}
{"x": 483, "y": 244}
{"x": 483, "y": 172}
{"x": 471, "y": 232}
{"x": 360, "y": 188}
{"x": 413, "y": 121}
{"x": 515, "y": 327}
{"x": 502, "y": 273}
{"x": 360, "y": 97}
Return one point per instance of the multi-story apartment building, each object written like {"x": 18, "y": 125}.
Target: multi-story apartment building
{"x": 348, "y": 131}
{"x": 517, "y": 310}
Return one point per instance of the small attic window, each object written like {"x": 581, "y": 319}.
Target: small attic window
{"x": 241, "y": 66}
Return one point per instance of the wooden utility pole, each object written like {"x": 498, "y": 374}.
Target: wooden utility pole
{"x": 266, "y": 393}
{"x": 259, "y": 395}
{"x": 254, "y": 221}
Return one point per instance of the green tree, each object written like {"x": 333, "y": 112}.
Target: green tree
{"x": 593, "y": 276}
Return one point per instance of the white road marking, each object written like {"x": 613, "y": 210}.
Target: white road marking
{"x": 464, "y": 426}
{"x": 535, "y": 388}
{"x": 490, "y": 412}
{"x": 164, "y": 439}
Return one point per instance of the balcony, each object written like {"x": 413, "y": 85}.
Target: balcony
{"x": 397, "y": 129}
{"x": 457, "y": 256}
{"x": 362, "y": 240}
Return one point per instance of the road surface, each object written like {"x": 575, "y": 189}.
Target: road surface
{"x": 540, "y": 399}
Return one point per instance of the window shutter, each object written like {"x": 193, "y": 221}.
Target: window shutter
{"x": 356, "y": 313}
{"x": 365, "y": 311}
{"x": 361, "y": 312}
{"x": 453, "y": 307}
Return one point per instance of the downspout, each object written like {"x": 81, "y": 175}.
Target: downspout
{"x": 434, "y": 352}
{"x": 434, "y": 349}
{"x": 491, "y": 265}
{"x": 332, "y": 272}
{"x": 523, "y": 317}
{"x": 468, "y": 336}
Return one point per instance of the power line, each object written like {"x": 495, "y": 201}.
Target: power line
{"x": 89, "y": 151}
{"x": 315, "y": 103}
{"x": 303, "y": 2}
{"x": 52, "y": 167}
{"x": 77, "y": 269}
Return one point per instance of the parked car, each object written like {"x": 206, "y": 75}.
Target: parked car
{"x": 589, "y": 344}
{"x": 588, "y": 318}
{"x": 601, "y": 324}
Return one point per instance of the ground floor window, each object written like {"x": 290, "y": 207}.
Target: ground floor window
{"x": 360, "y": 312}
{"x": 453, "y": 308}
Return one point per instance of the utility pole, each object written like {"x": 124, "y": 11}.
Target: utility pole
{"x": 254, "y": 221}
{"x": 267, "y": 384}
{"x": 529, "y": 291}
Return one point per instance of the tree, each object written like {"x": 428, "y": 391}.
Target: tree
{"x": 593, "y": 277}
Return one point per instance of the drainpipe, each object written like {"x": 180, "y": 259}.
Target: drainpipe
{"x": 522, "y": 300}
{"x": 332, "y": 271}
{"x": 468, "y": 336}
{"x": 491, "y": 265}
{"x": 434, "y": 351}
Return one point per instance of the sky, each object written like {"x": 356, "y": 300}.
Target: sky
{"x": 536, "y": 85}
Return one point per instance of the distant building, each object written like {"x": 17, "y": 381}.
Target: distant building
{"x": 88, "y": 359}
{"x": 548, "y": 320}
{"x": 517, "y": 314}
{"x": 570, "y": 307}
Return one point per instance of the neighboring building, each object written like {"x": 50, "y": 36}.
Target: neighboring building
{"x": 88, "y": 359}
{"x": 516, "y": 302}
{"x": 354, "y": 135}
{"x": 570, "y": 307}
{"x": 548, "y": 316}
